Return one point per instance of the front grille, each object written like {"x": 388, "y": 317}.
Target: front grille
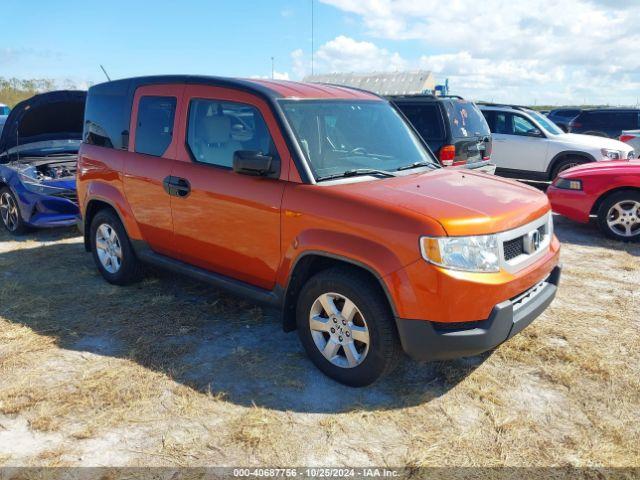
{"x": 513, "y": 248}
{"x": 69, "y": 195}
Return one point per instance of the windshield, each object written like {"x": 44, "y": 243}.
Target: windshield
{"x": 466, "y": 120}
{"x": 545, "y": 123}
{"x": 341, "y": 135}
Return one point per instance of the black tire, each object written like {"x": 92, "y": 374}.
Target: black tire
{"x": 565, "y": 164}
{"x": 14, "y": 224}
{"x": 130, "y": 269}
{"x": 384, "y": 350}
{"x": 625, "y": 197}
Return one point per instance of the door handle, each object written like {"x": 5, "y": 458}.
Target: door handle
{"x": 176, "y": 186}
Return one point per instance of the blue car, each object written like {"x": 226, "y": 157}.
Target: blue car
{"x": 38, "y": 157}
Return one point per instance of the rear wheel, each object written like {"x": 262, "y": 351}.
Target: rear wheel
{"x": 112, "y": 251}
{"x": 347, "y": 328}
{"x": 619, "y": 216}
{"x": 10, "y": 212}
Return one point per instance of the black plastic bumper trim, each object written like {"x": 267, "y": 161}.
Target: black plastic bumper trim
{"x": 423, "y": 342}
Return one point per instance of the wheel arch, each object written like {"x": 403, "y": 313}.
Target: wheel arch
{"x": 560, "y": 156}
{"x": 311, "y": 262}
{"x": 94, "y": 206}
{"x": 605, "y": 195}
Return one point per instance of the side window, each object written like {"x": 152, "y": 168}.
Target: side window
{"x": 426, "y": 119}
{"x": 154, "y": 129}
{"x": 522, "y": 126}
{"x": 107, "y": 114}
{"x": 503, "y": 123}
{"x": 216, "y": 130}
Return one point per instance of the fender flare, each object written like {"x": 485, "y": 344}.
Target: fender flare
{"x": 347, "y": 260}
{"x": 109, "y": 195}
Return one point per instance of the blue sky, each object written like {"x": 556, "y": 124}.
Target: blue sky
{"x": 530, "y": 51}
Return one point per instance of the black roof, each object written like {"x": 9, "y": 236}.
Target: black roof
{"x": 423, "y": 96}
{"x": 243, "y": 84}
{"x": 612, "y": 109}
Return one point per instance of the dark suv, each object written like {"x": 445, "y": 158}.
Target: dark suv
{"x": 454, "y": 128}
{"x": 562, "y": 116}
{"x": 606, "y": 122}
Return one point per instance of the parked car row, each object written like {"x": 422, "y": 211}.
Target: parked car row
{"x": 527, "y": 145}
{"x": 326, "y": 203}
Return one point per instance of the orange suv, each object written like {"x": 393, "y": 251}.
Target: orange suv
{"x": 321, "y": 201}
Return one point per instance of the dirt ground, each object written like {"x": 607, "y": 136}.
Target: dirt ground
{"x": 172, "y": 373}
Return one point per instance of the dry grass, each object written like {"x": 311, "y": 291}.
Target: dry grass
{"x": 169, "y": 372}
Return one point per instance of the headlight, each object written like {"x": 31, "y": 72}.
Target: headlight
{"x": 611, "y": 154}
{"x": 29, "y": 178}
{"x": 567, "y": 184}
{"x": 471, "y": 254}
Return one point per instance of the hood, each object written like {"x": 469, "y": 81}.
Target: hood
{"x": 462, "y": 201}
{"x": 627, "y": 167}
{"x": 594, "y": 141}
{"x": 51, "y": 116}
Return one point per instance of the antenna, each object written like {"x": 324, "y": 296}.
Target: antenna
{"x": 105, "y": 73}
{"x": 272, "y": 68}
{"x": 312, "y": 1}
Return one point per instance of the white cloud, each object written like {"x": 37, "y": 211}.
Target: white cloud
{"x": 538, "y": 49}
{"x": 344, "y": 54}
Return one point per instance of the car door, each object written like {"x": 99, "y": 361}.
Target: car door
{"x": 518, "y": 144}
{"x": 227, "y": 222}
{"x": 150, "y": 160}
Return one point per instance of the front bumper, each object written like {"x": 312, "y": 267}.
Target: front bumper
{"x": 425, "y": 340}
{"x": 573, "y": 204}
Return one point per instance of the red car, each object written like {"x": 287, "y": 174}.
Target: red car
{"x": 609, "y": 190}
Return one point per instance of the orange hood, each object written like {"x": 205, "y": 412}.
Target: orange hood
{"x": 462, "y": 201}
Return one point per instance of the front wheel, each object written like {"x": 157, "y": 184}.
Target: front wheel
{"x": 10, "y": 212}
{"x": 565, "y": 164}
{"x": 347, "y": 328}
{"x": 619, "y": 216}
{"x": 112, "y": 251}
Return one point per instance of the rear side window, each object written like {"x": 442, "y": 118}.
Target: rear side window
{"x": 106, "y": 116}
{"x": 465, "y": 119}
{"x": 426, "y": 119}
{"x": 154, "y": 129}
{"x": 216, "y": 130}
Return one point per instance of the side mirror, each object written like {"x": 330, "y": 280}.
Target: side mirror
{"x": 535, "y": 132}
{"x": 251, "y": 162}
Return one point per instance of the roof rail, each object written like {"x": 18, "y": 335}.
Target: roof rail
{"x": 515, "y": 107}
{"x": 427, "y": 95}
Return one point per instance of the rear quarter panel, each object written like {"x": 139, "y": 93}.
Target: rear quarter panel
{"x": 99, "y": 177}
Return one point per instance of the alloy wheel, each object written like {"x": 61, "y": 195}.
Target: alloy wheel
{"x": 623, "y": 218}
{"x": 108, "y": 248}
{"x": 339, "y": 330}
{"x": 9, "y": 212}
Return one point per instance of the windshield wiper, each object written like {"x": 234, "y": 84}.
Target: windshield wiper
{"x": 418, "y": 164}
{"x": 357, "y": 171}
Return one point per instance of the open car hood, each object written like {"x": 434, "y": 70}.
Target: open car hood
{"x": 51, "y": 116}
